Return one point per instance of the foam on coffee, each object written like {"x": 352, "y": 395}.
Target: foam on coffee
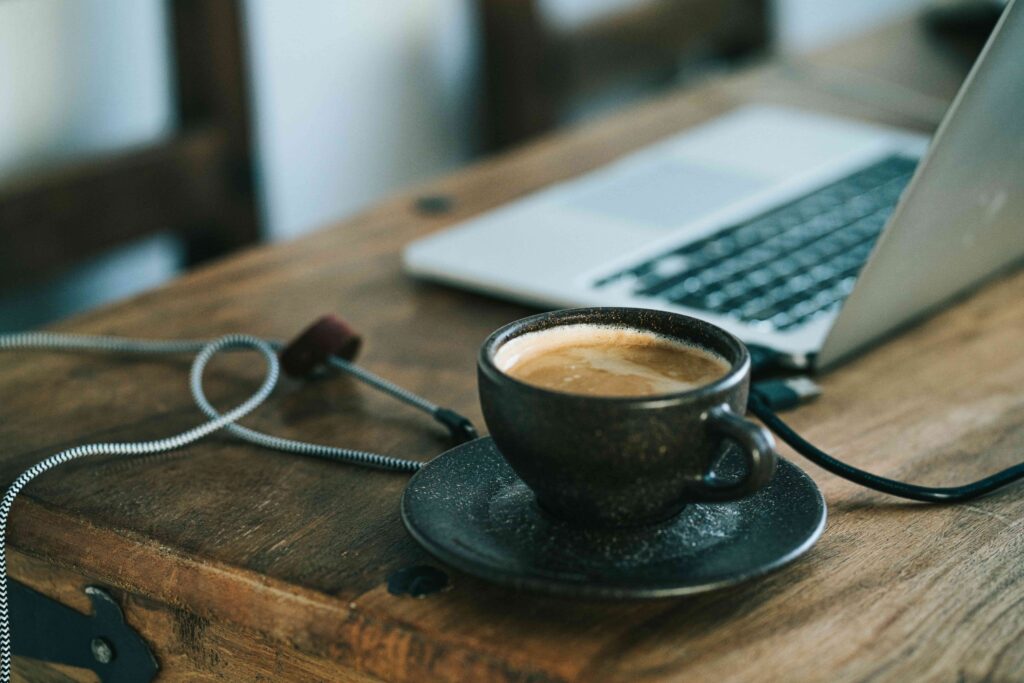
{"x": 600, "y": 360}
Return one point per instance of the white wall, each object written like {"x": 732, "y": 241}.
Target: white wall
{"x": 355, "y": 98}
{"x": 79, "y": 76}
{"x": 803, "y": 25}
{"x": 800, "y": 25}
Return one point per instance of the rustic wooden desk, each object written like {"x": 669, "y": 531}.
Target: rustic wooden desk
{"x": 240, "y": 564}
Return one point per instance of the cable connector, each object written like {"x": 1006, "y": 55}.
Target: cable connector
{"x": 783, "y": 394}
{"x": 461, "y": 429}
{"x": 764, "y": 360}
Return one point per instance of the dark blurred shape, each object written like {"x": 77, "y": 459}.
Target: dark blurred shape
{"x": 533, "y": 70}
{"x": 435, "y": 204}
{"x": 968, "y": 21}
{"x": 418, "y": 581}
{"x": 197, "y": 183}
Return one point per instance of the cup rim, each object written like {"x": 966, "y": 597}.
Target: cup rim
{"x": 737, "y": 371}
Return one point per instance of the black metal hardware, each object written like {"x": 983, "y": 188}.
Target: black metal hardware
{"x": 45, "y": 629}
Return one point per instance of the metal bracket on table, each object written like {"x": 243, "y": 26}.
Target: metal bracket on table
{"x": 45, "y": 629}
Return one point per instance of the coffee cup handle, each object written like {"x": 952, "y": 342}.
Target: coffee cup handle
{"x": 758, "y": 445}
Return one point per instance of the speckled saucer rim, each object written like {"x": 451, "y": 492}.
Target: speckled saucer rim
{"x": 605, "y": 590}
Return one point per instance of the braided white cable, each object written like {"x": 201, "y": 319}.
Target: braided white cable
{"x": 315, "y": 450}
{"x": 382, "y": 384}
{"x": 205, "y": 350}
{"x": 55, "y": 341}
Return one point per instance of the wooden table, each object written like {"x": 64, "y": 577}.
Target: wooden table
{"x": 240, "y": 564}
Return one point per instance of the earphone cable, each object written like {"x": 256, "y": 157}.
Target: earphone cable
{"x": 760, "y": 407}
{"x": 204, "y": 350}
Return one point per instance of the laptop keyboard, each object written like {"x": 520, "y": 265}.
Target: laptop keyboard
{"x": 785, "y": 267}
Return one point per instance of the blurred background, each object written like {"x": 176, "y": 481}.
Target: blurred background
{"x": 139, "y": 138}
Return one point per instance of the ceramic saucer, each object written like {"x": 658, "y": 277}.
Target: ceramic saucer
{"x": 470, "y": 510}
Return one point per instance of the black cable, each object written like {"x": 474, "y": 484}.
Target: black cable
{"x": 759, "y": 406}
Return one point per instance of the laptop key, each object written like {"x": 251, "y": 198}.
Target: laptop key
{"x": 735, "y": 289}
{"x": 756, "y": 279}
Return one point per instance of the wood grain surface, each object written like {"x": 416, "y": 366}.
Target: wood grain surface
{"x": 245, "y": 565}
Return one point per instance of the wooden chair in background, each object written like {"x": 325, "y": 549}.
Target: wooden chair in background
{"x": 533, "y": 69}
{"x": 197, "y": 183}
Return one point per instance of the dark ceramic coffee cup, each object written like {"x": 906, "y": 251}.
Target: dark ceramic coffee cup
{"x": 621, "y": 461}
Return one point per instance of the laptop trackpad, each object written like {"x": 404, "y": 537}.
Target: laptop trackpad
{"x": 668, "y": 194}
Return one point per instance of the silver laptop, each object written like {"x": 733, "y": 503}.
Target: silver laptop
{"x": 809, "y": 234}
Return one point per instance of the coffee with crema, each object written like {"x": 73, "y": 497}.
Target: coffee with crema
{"x": 597, "y": 360}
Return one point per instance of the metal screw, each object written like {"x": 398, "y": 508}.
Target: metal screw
{"x": 102, "y": 650}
